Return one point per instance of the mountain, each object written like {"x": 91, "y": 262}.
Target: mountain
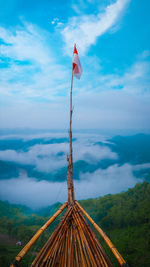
{"x": 125, "y": 217}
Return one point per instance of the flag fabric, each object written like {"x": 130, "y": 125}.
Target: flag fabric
{"x": 76, "y": 65}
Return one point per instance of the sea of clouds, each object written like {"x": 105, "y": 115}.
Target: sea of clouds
{"x": 50, "y": 158}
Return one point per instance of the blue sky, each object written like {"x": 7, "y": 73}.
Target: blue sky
{"x": 36, "y": 45}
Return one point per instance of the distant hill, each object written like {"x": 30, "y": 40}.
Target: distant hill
{"x": 15, "y": 211}
{"x": 134, "y": 149}
{"x": 125, "y": 217}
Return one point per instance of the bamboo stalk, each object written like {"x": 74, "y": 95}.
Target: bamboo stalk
{"x": 93, "y": 242}
{"x": 83, "y": 263}
{"x": 47, "y": 245}
{"x": 60, "y": 252}
{"x": 51, "y": 249}
{"x": 50, "y": 240}
{"x": 57, "y": 246}
{"x": 69, "y": 246}
{"x": 105, "y": 237}
{"x": 24, "y": 251}
{"x": 83, "y": 240}
{"x": 77, "y": 259}
{"x": 63, "y": 254}
{"x": 70, "y": 159}
{"x": 55, "y": 236}
{"x": 90, "y": 246}
{"x": 66, "y": 250}
{"x": 85, "y": 248}
{"x": 72, "y": 246}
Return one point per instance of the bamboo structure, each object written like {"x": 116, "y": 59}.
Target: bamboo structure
{"x": 73, "y": 243}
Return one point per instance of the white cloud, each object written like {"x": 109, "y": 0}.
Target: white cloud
{"x": 55, "y": 20}
{"x": 36, "y": 194}
{"x": 141, "y": 166}
{"x": 85, "y": 29}
{"x": 57, "y": 23}
{"x": 135, "y": 80}
{"x": 112, "y": 180}
{"x": 87, "y": 151}
{"x": 34, "y": 94}
{"x": 32, "y": 71}
{"x": 102, "y": 101}
{"x": 25, "y": 43}
{"x": 33, "y": 193}
{"x": 45, "y": 157}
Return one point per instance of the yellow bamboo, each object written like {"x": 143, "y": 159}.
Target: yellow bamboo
{"x": 77, "y": 256}
{"x": 93, "y": 242}
{"x": 105, "y": 237}
{"x": 52, "y": 240}
{"x": 83, "y": 240}
{"x": 63, "y": 253}
{"x": 66, "y": 250}
{"x": 58, "y": 260}
{"x": 58, "y": 242}
{"x": 90, "y": 243}
{"x": 24, "y": 251}
{"x": 69, "y": 246}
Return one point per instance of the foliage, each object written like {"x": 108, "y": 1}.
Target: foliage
{"x": 125, "y": 217}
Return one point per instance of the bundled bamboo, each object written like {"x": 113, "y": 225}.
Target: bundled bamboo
{"x": 72, "y": 244}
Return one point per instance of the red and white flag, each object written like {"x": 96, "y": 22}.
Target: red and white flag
{"x": 77, "y": 69}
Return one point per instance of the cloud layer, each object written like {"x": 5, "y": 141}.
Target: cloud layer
{"x": 36, "y": 194}
{"x": 95, "y": 180}
{"x": 52, "y": 157}
{"x": 87, "y": 28}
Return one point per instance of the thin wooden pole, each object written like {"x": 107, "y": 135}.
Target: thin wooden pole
{"x": 24, "y": 251}
{"x": 105, "y": 237}
{"x": 70, "y": 159}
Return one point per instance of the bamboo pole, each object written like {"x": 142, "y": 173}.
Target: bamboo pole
{"x": 24, "y": 251}
{"x": 66, "y": 250}
{"x": 105, "y": 237}
{"x": 50, "y": 241}
{"x": 83, "y": 239}
{"x": 63, "y": 254}
{"x": 70, "y": 159}
{"x": 77, "y": 259}
{"x": 60, "y": 253}
{"x": 44, "y": 253}
{"x": 83, "y": 263}
{"x": 93, "y": 242}
{"x": 58, "y": 242}
{"x": 89, "y": 242}
{"x": 45, "y": 248}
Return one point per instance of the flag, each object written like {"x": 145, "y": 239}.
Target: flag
{"x": 76, "y": 65}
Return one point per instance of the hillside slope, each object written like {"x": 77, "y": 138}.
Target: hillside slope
{"x": 125, "y": 217}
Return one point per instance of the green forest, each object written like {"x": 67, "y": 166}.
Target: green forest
{"x": 124, "y": 217}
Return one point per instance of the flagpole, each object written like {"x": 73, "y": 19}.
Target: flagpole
{"x": 70, "y": 159}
